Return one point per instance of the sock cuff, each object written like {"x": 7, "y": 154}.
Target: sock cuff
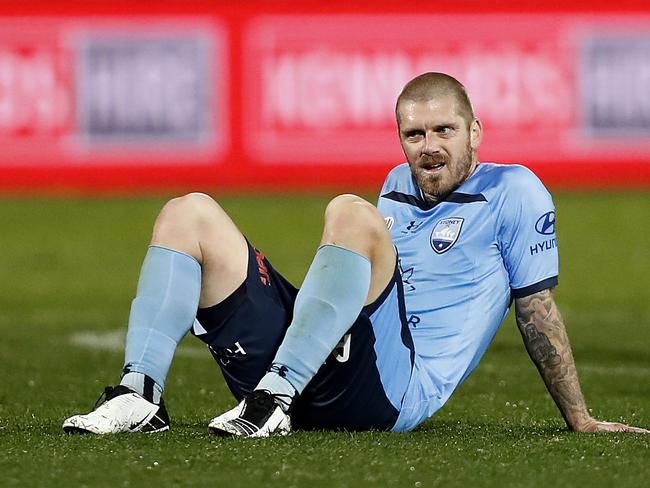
{"x": 155, "y": 355}
{"x": 342, "y": 249}
{"x": 154, "y": 247}
{"x": 141, "y": 383}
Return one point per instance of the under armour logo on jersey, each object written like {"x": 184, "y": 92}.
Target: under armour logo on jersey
{"x": 412, "y": 227}
{"x": 342, "y": 350}
{"x": 445, "y": 234}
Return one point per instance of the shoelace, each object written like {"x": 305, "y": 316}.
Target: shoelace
{"x": 111, "y": 392}
{"x": 267, "y": 399}
{"x": 104, "y": 396}
{"x": 283, "y": 398}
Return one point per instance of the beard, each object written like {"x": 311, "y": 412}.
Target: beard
{"x": 436, "y": 187}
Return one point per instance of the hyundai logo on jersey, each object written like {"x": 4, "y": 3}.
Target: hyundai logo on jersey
{"x": 445, "y": 234}
{"x": 546, "y": 224}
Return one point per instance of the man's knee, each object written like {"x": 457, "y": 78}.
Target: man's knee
{"x": 356, "y": 224}
{"x": 196, "y": 225}
{"x": 351, "y": 217}
{"x": 185, "y": 221}
{"x": 188, "y": 207}
{"x": 186, "y": 212}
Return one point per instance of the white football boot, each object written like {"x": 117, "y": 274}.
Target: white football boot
{"x": 258, "y": 415}
{"x": 122, "y": 410}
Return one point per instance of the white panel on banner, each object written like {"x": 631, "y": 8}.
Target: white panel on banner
{"x": 616, "y": 86}
{"x": 144, "y": 90}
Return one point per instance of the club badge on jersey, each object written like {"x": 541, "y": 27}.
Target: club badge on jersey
{"x": 445, "y": 234}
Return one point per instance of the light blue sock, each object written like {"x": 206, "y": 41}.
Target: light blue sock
{"x": 162, "y": 312}
{"x": 328, "y": 303}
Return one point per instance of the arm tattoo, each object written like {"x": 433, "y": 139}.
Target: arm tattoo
{"x": 544, "y": 334}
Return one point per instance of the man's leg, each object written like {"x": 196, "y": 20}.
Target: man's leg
{"x": 352, "y": 267}
{"x": 197, "y": 257}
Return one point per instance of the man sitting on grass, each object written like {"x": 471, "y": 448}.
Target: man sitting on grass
{"x": 397, "y": 308}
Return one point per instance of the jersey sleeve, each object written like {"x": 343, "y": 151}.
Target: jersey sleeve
{"x": 527, "y": 234}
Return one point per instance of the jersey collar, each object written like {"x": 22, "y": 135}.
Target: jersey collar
{"x": 455, "y": 196}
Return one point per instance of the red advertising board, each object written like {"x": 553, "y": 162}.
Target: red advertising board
{"x": 191, "y": 95}
{"x": 76, "y": 91}
{"x": 336, "y": 78}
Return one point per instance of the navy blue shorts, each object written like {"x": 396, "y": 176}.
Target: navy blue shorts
{"x": 361, "y": 384}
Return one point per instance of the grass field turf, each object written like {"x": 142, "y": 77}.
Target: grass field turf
{"x": 70, "y": 266}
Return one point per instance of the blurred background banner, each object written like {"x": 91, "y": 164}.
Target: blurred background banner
{"x": 128, "y": 98}
{"x": 132, "y": 91}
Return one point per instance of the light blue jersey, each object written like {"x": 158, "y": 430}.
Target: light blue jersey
{"x": 462, "y": 261}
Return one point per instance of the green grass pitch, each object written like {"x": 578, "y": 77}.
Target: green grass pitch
{"x": 68, "y": 269}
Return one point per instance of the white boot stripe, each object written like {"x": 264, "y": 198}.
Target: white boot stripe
{"x": 247, "y": 422}
{"x": 241, "y": 425}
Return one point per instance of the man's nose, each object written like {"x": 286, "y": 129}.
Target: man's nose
{"x": 431, "y": 144}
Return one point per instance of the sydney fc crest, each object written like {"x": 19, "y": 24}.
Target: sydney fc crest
{"x": 445, "y": 234}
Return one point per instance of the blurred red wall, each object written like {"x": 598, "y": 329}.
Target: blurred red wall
{"x": 126, "y": 97}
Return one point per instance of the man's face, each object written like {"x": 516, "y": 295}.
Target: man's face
{"x": 438, "y": 144}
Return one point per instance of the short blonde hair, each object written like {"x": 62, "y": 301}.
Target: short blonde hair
{"x": 432, "y": 85}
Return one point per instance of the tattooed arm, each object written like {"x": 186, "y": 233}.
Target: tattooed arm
{"x": 544, "y": 334}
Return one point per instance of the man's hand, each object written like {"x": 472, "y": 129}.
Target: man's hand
{"x": 594, "y": 426}
{"x": 544, "y": 334}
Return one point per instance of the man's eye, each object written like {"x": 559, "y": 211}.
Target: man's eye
{"x": 413, "y": 135}
{"x": 445, "y": 131}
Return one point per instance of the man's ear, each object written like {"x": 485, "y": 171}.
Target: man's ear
{"x": 475, "y": 134}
